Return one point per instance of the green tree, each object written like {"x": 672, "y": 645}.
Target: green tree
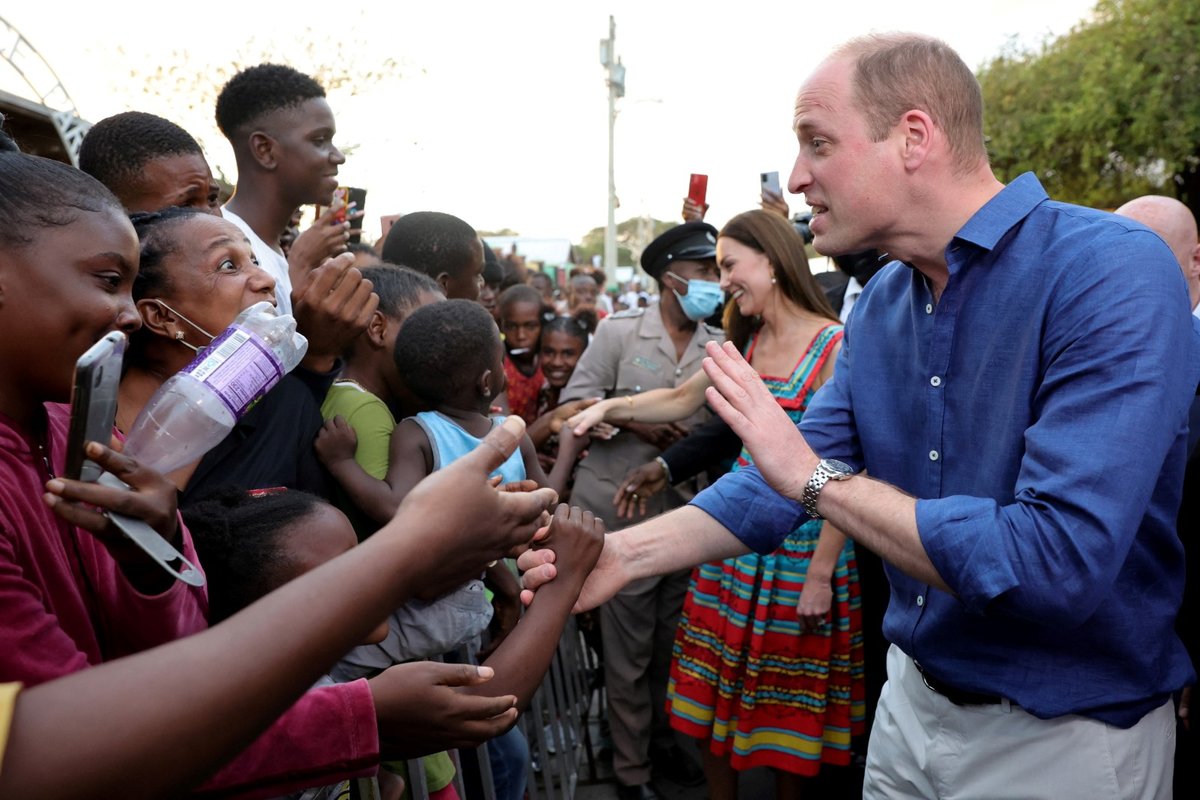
{"x": 1106, "y": 112}
{"x": 632, "y": 237}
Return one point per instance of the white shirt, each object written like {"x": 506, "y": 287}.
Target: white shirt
{"x": 271, "y": 259}
{"x": 853, "y": 290}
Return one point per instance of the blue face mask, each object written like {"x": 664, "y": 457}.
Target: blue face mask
{"x": 702, "y": 298}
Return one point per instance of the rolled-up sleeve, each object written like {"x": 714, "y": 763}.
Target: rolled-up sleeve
{"x": 745, "y": 505}
{"x": 1110, "y": 407}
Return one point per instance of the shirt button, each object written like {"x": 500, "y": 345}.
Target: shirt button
{"x": 920, "y": 600}
{"x": 929, "y": 308}
{"x": 933, "y": 455}
{"x": 678, "y": 371}
{"x": 637, "y": 388}
{"x": 935, "y": 381}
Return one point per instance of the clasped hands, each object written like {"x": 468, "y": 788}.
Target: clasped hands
{"x": 780, "y": 453}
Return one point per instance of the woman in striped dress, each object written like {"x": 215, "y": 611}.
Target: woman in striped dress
{"x": 767, "y": 665}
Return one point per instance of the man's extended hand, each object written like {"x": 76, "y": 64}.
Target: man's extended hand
{"x": 607, "y": 577}
{"x": 420, "y": 711}
{"x": 738, "y": 394}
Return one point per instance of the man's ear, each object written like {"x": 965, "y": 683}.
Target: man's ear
{"x": 157, "y": 318}
{"x": 262, "y": 150}
{"x": 443, "y": 280}
{"x": 1194, "y": 270}
{"x": 919, "y": 134}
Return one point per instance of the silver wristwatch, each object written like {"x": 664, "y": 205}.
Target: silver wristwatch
{"x": 827, "y": 470}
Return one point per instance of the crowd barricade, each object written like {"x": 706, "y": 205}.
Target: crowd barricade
{"x": 556, "y": 725}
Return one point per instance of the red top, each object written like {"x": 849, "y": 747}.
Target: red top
{"x": 65, "y": 606}
{"x": 523, "y": 390}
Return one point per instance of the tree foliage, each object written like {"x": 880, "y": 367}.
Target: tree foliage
{"x": 632, "y": 237}
{"x": 1106, "y": 112}
{"x": 184, "y": 86}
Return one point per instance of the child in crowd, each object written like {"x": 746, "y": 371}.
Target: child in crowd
{"x": 461, "y": 333}
{"x": 252, "y": 543}
{"x": 493, "y": 277}
{"x": 521, "y": 314}
{"x": 563, "y": 341}
{"x": 443, "y": 247}
{"x": 370, "y": 387}
{"x": 434, "y": 338}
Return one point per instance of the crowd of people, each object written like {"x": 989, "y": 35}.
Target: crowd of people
{"x": 941, "y": 495}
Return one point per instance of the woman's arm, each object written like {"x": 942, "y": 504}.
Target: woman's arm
{"x": 654, "y": 406}
{"x": 816, "y": 597}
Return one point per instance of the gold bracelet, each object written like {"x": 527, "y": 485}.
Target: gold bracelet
{"x": 629, "y": 399}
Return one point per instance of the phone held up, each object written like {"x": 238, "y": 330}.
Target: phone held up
{"x": 697, "y": 189}
{"x": 769, "y": 182}
{"x": 93, "y": 412}
{"x": 94, "y": 403}
{"x": 345, "y": 197}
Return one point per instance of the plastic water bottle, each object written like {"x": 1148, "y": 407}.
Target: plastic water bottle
{"x": 198, "y": 406}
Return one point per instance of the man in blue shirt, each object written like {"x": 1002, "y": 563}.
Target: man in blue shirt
{"x": 1016, "y": 384}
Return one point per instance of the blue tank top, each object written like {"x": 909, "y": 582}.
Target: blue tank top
{"x": 450, "y": 443}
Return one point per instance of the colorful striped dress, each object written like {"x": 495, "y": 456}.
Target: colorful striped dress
{"x": 743, "y": 674}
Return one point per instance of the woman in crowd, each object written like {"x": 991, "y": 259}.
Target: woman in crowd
{"x": 197, "y": 274}
{"x": 768, "y": 659}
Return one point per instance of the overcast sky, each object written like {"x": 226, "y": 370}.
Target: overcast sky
{"x": 501, "y": 117}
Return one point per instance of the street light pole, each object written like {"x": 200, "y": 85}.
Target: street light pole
{"x": 616, "y": 88}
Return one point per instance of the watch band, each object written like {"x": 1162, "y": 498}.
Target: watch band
{"x": 827, "y": 470}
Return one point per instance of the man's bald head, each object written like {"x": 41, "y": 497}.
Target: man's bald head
{"x": 1175, "y": 223}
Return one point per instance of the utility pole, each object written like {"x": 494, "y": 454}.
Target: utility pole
{"x": 616, "y": 88}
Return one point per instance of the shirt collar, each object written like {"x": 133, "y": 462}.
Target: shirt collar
{"x": 1002, "y": 212}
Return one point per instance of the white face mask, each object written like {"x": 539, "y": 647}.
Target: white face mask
{"x": 179, "y": 334}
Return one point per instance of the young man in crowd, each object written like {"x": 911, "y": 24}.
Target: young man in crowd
{"x": 149, "y": 163}
{"x": 281, "y": 129}
{"x": 1024, "y": 437}
{"x": 443, "y": 247}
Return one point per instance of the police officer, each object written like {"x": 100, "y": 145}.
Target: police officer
{"x": 634, "y": 351}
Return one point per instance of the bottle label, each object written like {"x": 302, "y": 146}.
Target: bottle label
{"x": 239, "y": 367}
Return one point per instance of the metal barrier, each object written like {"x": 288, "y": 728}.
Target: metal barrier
{"x": 556, "y": 724}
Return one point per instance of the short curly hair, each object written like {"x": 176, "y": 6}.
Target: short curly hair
{"x": 443, "y": 348}
{"x": 432, "y": 242}
{"x": 117, "y": 148}
{"x": 259, "y": 90}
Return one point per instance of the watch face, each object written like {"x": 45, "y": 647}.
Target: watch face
{"x": 840, "y": 468}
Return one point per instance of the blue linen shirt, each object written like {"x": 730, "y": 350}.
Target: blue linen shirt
{"x": 1038, "y": 412}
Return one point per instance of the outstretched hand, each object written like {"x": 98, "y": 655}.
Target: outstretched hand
{"x": 608, "y": 576}
{"x": 420, "y": 710}
{"x": 333, "y": 304}
{"x": 467, "y": 522}
{"x": 741, "y": 398}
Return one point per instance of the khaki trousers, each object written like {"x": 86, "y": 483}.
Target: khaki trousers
{"x": 924, "y": 746}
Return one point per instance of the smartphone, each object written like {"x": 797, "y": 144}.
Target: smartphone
{"x": 94, "y": 403}
{"x": 357, "y": 197}
{"x": 770, "y": 183}
{"x": 697, "y": 189}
